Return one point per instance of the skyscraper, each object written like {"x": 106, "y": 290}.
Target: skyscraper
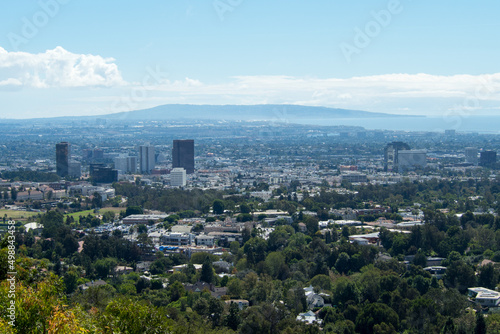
{"x": 75, "y": 169}
{"x": 488, "y": 158}
{"x": 183, "y": 155}
{"x": 146, "y": 158}
{"x": 409, "y": 159}
{"x": 126, "y": 164}
{"x": 391, "y": 155}
{"x": 62, "y": 159}
{"x": 471, "y": 155}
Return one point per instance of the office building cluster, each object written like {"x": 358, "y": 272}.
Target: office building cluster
{"x": 145, "y": 163}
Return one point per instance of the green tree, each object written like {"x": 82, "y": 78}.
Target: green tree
{"x": 218, "y": 207}
{"x": 97, "y": 200}
{"x": 480, "y": 324}
{"x": 35, "y": 303}
{"x": 321, "y": 282}
{"x": 133, "y": 210}
{"x": 343, "y": 263}
{"x": 207, "y": 271}
{"x": 216, "y": 310}
{"x": 255, "y": 249}
{"x": 105, "y": 267}
{"x": 234, "y": 288}
{"x": 70, "y": 281}
{"x": 245, "y": 208}
{"x": 176, "y": 291}
{"x": 449, "y": 327}
{"x": 13, "y": 194}
{"x": 142, "y": 229}
{"x": 142, "y": 284}
{"x": 200, "y": 306}
{"x": 278, "y": 239}
{"x": 233, "y": 318}
{"x": 345, "y": 290}
{"x": 376, "y": 314}
{"x": 128, "y": 316}
{"x": 276, "y": 265}
{"x": 488, "y": 276}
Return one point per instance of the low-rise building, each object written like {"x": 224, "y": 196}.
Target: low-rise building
{"x": 205, "y": 240}
{"x": 355, "y": 177}
{"x": 226, "y": 237}
{"x": 314, "y": 301}
{"x": 88, "y": 190}
{"x": 242, "y": 303}
{"x": 91, "y": 284}
{"x": 309, "y": 317}
{"x": 34, "y": 195}
{"x": 181, "y": 267}
{"x": 142, "y": 219}
{"x": 178, "y": 177}
{"x": 485, "y": 297}
{"x": 370, "y": 238}
{"x": 436, "y": 271}
{"x": 123, "y": 270}
{"x": 177, "y": 239}
{"x": 35, "y": 227}
{"x": 224, "y": 266}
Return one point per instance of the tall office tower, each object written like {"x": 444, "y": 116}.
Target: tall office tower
{"x": 98, "y": 154}
{"x": 146, "y": 158}
{"x": 62, "y": 159}
{"x": 75, "y": 169}
{"x": 409, "y": 159}
{"x": 183, "y": 155}
{"x": 488, "y": 158}
{"x": 126, "y": 164}
{"x": 471, "y": 155}
{"x": 391, "y": 155}
{"x": 178, "y": 177}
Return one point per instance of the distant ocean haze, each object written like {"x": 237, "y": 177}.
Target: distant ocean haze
{"x": 480, "y": 124}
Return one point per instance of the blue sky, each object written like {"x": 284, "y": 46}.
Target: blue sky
{"x": 75, "y": 57}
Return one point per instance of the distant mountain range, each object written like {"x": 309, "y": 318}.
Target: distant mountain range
{"x": 282, "y": 113}
{"x": 268, "y": 112}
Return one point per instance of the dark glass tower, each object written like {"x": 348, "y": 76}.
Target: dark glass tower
{"x": 488, "y": 158}
{"x": 183, "y": 155}
{"x": 62, "y": 159}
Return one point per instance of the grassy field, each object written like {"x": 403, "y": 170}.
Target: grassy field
{"x": 81, "y": 213}
{"x": 24, "y": 215}
{"x": 14, "y": 214}
{"x": 115, "y": 210}
{"x": 91, "y": 212}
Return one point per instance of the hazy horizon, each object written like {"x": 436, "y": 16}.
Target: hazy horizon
{"x": 394, "y": 56}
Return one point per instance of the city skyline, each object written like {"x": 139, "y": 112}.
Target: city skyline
{"x": 399, "y": 57}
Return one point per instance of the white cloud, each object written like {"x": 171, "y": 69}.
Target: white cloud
{"x": 10, "y": 82}
{"x": 399, "y": 93}
{"x": 57, "y": 68}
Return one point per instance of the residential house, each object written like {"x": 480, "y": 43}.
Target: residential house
{"x": 484, "y": 297}
{"x": 309, "y": 317}
{"x": 242, "y": 303}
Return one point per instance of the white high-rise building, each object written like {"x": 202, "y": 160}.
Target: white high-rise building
{"x": 146, "y": 158}
{"x": 178, "y": 177}
{"x": 471, "y": 155}
{"x": 126, "y": 164}
{"x": 408, "y": 159}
